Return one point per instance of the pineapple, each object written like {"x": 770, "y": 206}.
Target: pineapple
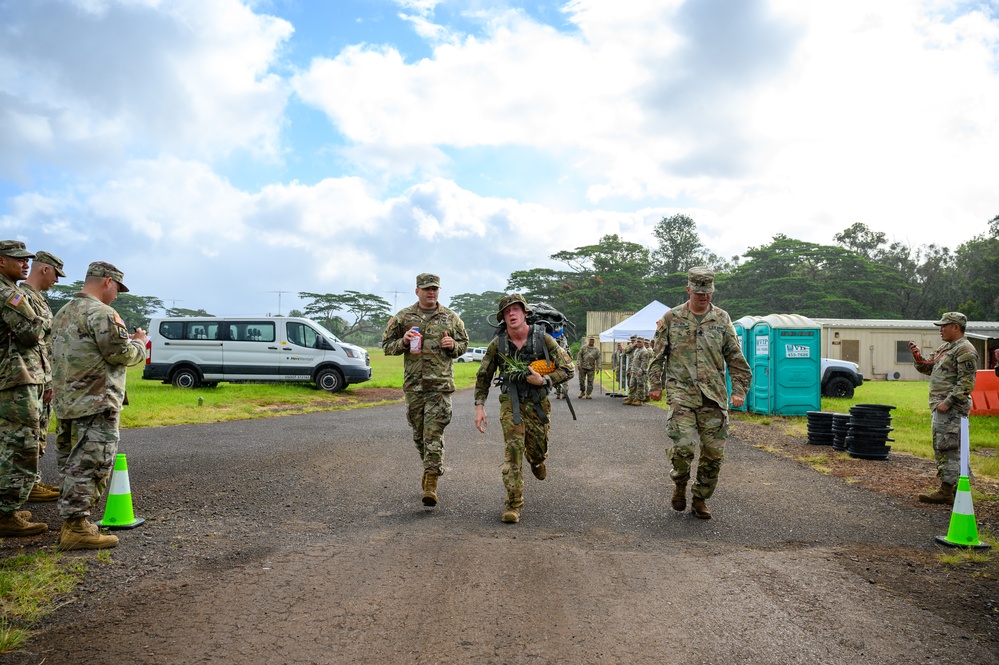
{"x": 518, "y": 370}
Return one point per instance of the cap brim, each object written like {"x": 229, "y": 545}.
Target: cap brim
{"x": 59, "y": 272}
{"x": 121, "y": 287}
{"x": 19, "y": 254}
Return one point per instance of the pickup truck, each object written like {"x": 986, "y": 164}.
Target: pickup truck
{"x": 840, "y": 377}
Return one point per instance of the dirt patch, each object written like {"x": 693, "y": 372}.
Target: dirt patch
{"x": 353, "y": 397}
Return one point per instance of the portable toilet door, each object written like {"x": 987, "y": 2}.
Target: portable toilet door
{"x": 742, "y": 328}
{"x": 795, "y": 365}
{"x": 761, "y": 391}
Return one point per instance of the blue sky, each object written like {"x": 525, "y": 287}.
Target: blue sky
{"x": 221, "y": 151}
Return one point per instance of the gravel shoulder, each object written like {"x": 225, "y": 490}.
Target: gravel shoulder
{"x": 302, "y": 540}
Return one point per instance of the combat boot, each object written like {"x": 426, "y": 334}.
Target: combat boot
{"x": 589, "y": 397}
{"x": 430, "y": 488}
{"x": 16, "y": 524}
{"x": 581, "y": 395}
{"x": 943, "y": 495}
{"x": 40, "y": 493}
{"x": 679, "y": 500}
{"x": 539, "y": 470}
{"x": 511, "y": 515}
{"x": 79, "y": 534}
{"x": 700, "y": 509}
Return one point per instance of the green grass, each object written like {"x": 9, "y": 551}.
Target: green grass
{"x": 910, "y": 419}
{"x": 29, "y": 585}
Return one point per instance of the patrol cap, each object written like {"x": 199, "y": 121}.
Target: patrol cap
{"x": 52, "y": 260}
{"x": 701, "y": 279}
{"x": 952, "y": 317}
{"x": 508, "y": 300}
{"x": 103, "y": 269}
{"x": 423, "y": 280}
{"x": 15, "y": 249}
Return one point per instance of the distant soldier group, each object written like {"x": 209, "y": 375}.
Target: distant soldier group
{"x": 71, "y": 365}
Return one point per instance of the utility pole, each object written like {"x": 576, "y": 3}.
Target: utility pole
{"x": 395, "y": 300}
{"x": 279, "y": 299}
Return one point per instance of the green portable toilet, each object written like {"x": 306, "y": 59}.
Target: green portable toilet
{"x": 742, "y": 329}
{"x": 786, "y": 365}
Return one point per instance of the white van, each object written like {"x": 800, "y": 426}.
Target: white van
{"x": 194, "y": 351}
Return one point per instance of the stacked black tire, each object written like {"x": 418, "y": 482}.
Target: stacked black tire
{"x": 820, "y": 428}
{"x": 869, "y": 427}
{"x": 840, "y": 429}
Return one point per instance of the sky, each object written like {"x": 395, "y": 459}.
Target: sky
{"x": 228, "y": 155}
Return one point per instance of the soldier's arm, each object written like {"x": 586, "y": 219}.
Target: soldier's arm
{"x": 113, "y": 340}
{"x": 967, "y": 371}
{"x": 392, "y": 339}
{"x": 564, "y": 369}
{"x": 738, "y": 367}
{"x": 460, "y": 337}
{"x": 487, "y": 370}
{"x": 24, "y": 323}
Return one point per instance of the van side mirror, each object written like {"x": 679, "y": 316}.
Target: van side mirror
{"x": 324, "y": 344}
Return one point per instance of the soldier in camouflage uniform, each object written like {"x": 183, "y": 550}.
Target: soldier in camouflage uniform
{"x": 952, "y": 369}
{"x": 562, "y": 389}
{"x": 91, "y": 350}
{"x": 46, "y": 269}
{"x": 617, "y": 357}
{"x": 22, "y": 375}
{"x": 587, "y": 363}
{"x": 693, "y": 344}
{"x": 429, "y": 374}
{"x": 637, "y": 370}
{"x": 524, "y": 405}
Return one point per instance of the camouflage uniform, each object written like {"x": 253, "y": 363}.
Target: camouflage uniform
{"x": 952, "y": 369}
{"x": 616, "y": 359}
{"x": 524, "y": 421}
{"x": 91, "y": 351}
{"x": 694, "y": 367}
{"x": 429, "y": 375}
{"x": 587, "y": 362}
{"x": 637, "y": 386}
{"x": 562, "y": 389}
{"x": 22, "y": 374}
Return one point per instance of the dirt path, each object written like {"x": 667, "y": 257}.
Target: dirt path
{"x": 302, "y": 540}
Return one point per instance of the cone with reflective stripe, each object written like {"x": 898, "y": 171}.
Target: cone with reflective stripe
{"x": 963, "y": 531}
{"x": 118, "y": 511}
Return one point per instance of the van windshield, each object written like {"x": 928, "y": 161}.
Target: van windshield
{"x": 327, "y": 333}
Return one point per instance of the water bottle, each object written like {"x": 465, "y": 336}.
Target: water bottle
{"x": 416, "y": 341}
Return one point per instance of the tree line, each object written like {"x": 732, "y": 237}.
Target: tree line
{"x": 862, "y": 276}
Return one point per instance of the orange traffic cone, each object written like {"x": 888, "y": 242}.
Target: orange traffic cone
{"x": 118, "y": 512}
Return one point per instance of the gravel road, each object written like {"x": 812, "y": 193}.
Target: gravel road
{"x": 303, "y": 540}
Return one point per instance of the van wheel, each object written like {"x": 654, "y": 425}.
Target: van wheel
{"x": 330, "y": 379}
{"x": 839, "y": 386}
{"x": 185, "y": 377}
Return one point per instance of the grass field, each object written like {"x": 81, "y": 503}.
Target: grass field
{"x": 153, "y": 403}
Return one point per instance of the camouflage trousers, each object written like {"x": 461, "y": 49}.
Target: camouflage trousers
{"x": 946, "y": 429}
{"x": 686, "y": 427}
{"x": 20, "y": 411}
{"x": 85, "y": 452}
{"x": 637, "y": 386}
{"x": 585, "y": 380}
{"x": 43, "y": 427}
{"x": 527, "y": 440}
{"x": 428, "y": 413}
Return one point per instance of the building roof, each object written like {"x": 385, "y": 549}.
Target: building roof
{"x": 975, "y": 329}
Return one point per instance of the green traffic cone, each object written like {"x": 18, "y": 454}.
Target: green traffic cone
{"x": 963, "y": 531}
{"x": 118, "y": 512}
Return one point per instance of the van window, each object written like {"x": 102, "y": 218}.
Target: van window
{"x": 300, "y": 334}
{"x": 252, "y": 331}
{"x": 172, "y": 329}
{"x": 202, "y": 330}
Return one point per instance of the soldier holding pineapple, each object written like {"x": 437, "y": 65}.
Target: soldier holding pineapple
{"x": 529, "y": 362}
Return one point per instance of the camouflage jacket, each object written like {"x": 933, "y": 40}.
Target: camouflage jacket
{"x": 41, "y": 306}
{"x": 640, "y": 361}
{"x": 588, "y": 357}
{"x": 433, "y": 368}
{"x": 492, "y": 362}
{"x": 91, "y": 351}
{"x": 21, "y": 334}
{"x": 952, "y": 370}
{"x": 693, "y": 356}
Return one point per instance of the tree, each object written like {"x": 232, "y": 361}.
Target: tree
{"x": 181, "y": 311}
{"x": 862, "y": 240}
{"x": 680, "y": 247}
{"x": 370, "y": 312}
{"x": 478, "y": 312}
{"x": 134, "y": 310}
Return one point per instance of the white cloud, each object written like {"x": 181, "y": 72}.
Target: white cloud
{"x": 85, "y": 84}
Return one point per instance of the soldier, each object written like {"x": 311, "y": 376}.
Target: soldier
{"x": 524, "y": 406}
{"x": 952, "y": 369}
{"x": 91, "y": 350}
{"x": 561, "y": 389}
{"x": 617, "y": 356}
{"x": 429, "y": 372}
{"x": 636, "y": 373}
{"x": 587, "y": 363}
{"x": 22, "y": 376}
{"x": 46, "y": 269}
{"x": 693, "y": 344}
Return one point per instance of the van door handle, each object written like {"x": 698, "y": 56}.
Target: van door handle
{"x": 272, "y": 348}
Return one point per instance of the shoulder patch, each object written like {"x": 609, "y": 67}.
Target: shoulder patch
{"x": 118, "y": 321}
{"x": 15, "y": 299}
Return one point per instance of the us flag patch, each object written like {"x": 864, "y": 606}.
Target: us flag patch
{"x": 16, "y": 299}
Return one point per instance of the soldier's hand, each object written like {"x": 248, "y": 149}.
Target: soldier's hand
{"x": 535, "y": 379}
{"x": 943, "y": 407}
{"x": 738, "y": 400}
{"x": 47, "y": 396}
{"x": 655, "y": 395}
{"x": 480, "y": 418}
{"x": 139, "y": 335}
{"x": 447, "y": 342}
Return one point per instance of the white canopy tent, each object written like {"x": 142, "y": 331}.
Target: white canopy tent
{"x": 642, "y": 323}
